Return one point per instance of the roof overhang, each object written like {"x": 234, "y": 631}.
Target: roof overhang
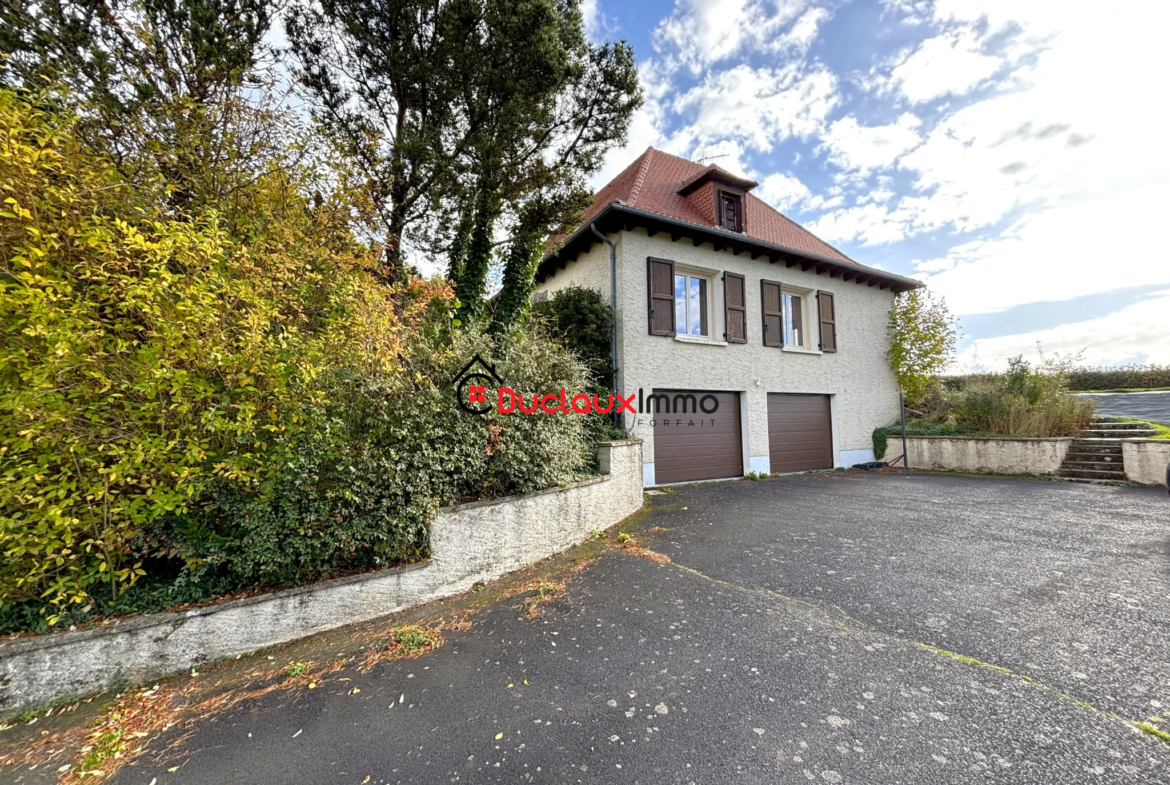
{"x": 617, "y": 217}
{"x": 713, "y": 173}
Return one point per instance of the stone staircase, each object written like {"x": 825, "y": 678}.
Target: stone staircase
{"x": 1096, "y": 454}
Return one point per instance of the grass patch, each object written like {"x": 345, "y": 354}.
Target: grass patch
{"x": 1163, "y": 430}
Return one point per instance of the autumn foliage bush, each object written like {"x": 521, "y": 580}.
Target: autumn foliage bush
{"x": 187, "y": 409}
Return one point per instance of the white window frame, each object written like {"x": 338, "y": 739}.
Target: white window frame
{"x": 709, "y": 277}
{"x": 809, "y": 316}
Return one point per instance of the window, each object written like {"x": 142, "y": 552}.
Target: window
{"x": 795, "y": 319}
{"x": 690, "y": 305}
{"x": 730, "y": 211}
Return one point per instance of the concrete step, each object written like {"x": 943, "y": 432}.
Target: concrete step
{"x": 1110, "y": 423}
{"x": 1121, "y": 429}
{"x": 1090, "y": 474}
{"x": 1094, "y": 466}
{"x": 1106, "y": 460}
{"x": 1096, "y": 444}
{"x": 1130, "y": 433}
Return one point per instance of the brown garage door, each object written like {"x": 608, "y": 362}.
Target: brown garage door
{"x": 800, "y": 432}
{"x": 690, "y": 445}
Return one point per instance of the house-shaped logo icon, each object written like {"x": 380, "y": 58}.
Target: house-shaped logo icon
{"x": 475, "y": 386}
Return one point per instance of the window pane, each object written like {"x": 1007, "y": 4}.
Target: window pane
{"x": 703, "y": 307}
{"x": 680, "y": 304}
{"x": 796, "y": 319}
{"x": 693, "y": 306}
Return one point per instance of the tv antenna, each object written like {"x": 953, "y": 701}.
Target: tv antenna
{"x": 707, "y": 158}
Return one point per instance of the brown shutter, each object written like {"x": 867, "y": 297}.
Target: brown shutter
{"x": 773, "y": 315}
{"x": 828, "y": 316}
{"x": 734, "y": 308}
{"x": 660, "y": 283}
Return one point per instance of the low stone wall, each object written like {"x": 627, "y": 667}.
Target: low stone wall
{"x": 996, "y": 455}
{"x": 469, "y": 543}
{"x": 1146, "y": 459}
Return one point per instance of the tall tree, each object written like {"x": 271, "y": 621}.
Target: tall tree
{"x": 387, "y": 79}
{"x": 158, "y": 84}
{"x": 546, "y": 133}
{"x": 446, "y": 101}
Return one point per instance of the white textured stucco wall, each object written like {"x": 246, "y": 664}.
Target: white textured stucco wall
{"x": 980, "y": 454}
{"x": 591, "y": 271}
{"x": 469, "y": 543}
{"x": 1145, "y": 460}
{"x": 858, "y": 377}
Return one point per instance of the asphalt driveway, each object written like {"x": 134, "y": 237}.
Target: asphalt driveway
{"x": 831, "y": 628}
{"x": 1137, "y": 405}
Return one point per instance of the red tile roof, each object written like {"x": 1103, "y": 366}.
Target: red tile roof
{"x": 652, "y": 183}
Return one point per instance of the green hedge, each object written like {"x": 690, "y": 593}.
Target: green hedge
{"x": 1122, "y": 377}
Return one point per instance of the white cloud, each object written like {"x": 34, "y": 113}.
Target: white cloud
{"x": 951, "y": 63}
{"x": 855, "y": 147}
{"x": 590, "y": 15}
{"x": 757, "y": 106}
{"x": 871, "y": 223}
{"x": 704, "y": 32}
{"x": 1078, "y": 249}
{"x": 1138, "y": 333}
{"x": 1067, "y": 129}
{"x": 782, "y": 191}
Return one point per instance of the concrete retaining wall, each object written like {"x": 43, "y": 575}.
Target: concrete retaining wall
{"x": 469, "y": 543}
{"x": 1145, "y": 460}
{"x": 983, "y": 454}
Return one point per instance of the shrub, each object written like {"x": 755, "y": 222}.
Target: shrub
{"x": 879, "y": 443}
{"x": 190, "y": 412}
{"x": 146, "y": 357}
{"x": 1025, "y": 401}
{"x": 1124, "y": 377}
{"x": 580, "y": 319}
{"x": 583, "y": 322}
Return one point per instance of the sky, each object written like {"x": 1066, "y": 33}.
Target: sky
{"x": 1010, "y": 153}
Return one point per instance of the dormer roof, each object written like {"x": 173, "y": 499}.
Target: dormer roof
{"x": 713, "y": 174}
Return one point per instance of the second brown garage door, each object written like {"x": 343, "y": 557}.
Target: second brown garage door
{"x": 696, "y": 446}
{"x": 800, "y": 432}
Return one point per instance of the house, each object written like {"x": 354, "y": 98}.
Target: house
{"x": 753, "y": 346}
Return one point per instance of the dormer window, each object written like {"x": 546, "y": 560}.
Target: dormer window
{"x": 731, "y": 211}
{"x": 726, "y": 209}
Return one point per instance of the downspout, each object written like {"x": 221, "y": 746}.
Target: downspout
{"x": 613, "y": 306}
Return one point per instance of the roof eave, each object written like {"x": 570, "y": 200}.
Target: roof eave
{"x": 620, "y": 216}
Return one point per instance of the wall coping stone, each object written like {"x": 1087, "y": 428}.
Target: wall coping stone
{"x": 896, "y": 437}
{"x": 47, "y": 640}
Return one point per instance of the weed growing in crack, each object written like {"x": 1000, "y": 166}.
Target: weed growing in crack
{"x": 295, "y": 669}
{"x": 1154, "y": 731}
{"x": 543, "y": 592}
{"x": 411, "y": 639}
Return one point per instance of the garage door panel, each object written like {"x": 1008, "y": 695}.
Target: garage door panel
{"x": 800, "y": 432}
{"x": 689, "y": 446}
